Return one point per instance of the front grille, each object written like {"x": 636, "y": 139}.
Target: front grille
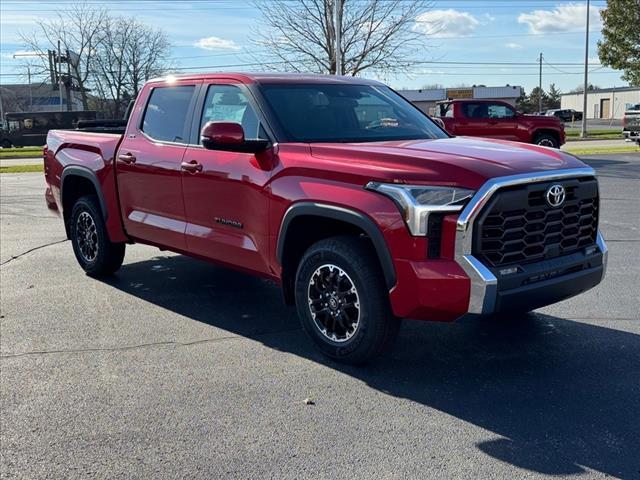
{"x": 519, "y": 226}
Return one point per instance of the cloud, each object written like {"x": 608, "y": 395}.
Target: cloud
{"x": 562, "y": 18}
{"x": 513, "y": 45}
{"x": 446, "y": 23}
{"x": 215, "y": 43}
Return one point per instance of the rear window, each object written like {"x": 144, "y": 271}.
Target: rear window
{"x": 166, "y": 113}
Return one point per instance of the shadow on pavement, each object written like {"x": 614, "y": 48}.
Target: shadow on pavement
{"x": 564, "y": 395}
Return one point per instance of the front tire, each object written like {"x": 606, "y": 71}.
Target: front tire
{"x": 342, "y": 300}
{"x": 95, "y": 253}
{"x": 546, "y": 140}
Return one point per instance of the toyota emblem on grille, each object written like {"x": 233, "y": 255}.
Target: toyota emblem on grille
{"x": 555, "y": 195}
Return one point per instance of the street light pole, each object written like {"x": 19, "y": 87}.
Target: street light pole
{"x": 338, "y": 28}
{"x": 540, "y": 88}
{"x": 583, "y": 131}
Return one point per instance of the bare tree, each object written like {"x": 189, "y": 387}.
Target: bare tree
{"x": 109, "y": 67}
{"x": 376, "y": 34}
{"x": 128, "y": 55}
{"x": 146, "y": 55}
{"x": 79, "y": 30}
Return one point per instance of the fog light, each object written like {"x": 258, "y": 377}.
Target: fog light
{"x": 509, "y": 271}
{"x": 590, "y": 250}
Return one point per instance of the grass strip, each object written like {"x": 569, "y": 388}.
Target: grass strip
{"x": 602, "y": 150}
{"x": 25, "y": 154}
{"x": 22, "y": 168}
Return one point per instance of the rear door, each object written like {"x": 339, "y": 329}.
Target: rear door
{"x": 471, "y": 119}
{"x": 225, "y": 197}
{"x": 148, "y": 164}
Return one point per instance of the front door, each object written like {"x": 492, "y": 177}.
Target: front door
{"x": 148, "y": 165}
{"x": 502, "y": 121}
{"x": 225, "y": 197}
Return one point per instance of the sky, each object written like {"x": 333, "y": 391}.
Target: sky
{"x": 475, "y": 40}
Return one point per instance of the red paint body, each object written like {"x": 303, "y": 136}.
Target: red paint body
{"x": 519, "y": 127}
{"x": 154, "y": 200}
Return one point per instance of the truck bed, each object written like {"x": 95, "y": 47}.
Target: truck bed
{"x": 63, "y": 144}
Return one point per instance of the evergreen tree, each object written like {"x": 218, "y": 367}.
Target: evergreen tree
{"x": 553, "y": 97}
{"x": 535, "y": 94}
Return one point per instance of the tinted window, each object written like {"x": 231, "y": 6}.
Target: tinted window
{"x": 166, "y": 113}
{"x": 228, "y": 103}
{"x": 346, "y": 113}
{"x": 475, "y": 110}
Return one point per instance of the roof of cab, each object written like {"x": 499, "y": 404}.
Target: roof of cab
{"x": 269, "y": 78}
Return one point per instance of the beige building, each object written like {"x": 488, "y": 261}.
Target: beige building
{"x": 426, "y": 99}
{"x": 606, "y": 103}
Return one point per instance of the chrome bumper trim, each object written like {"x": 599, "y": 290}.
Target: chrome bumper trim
{"x": 483, "y": 289}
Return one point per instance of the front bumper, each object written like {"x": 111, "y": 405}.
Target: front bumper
{"x": 450, "y": 288}
{"x": 553, "y": 281}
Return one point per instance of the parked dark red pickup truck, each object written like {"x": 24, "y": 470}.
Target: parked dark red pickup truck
{"x": 357, "y": 203}
{"x": 496, "y": 119}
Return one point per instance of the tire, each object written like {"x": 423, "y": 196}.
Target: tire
{"x": 6, "y": 144}
{"x": 546, "y": 140}
{"x": 96, "y": 254}
{"x": 345, "y": 269}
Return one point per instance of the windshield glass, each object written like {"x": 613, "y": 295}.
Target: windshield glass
{"x": 346, "y": 113}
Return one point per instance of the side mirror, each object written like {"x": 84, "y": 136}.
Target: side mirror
{"x": 229, "y": 136}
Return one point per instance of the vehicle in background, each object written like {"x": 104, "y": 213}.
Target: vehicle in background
{"x": 340, "y": 190}
{"x": 496, "y": 119}
{"x": 566, "y": 115}
{"x": 631, "y": 123}
{"x": 29, "y": 129}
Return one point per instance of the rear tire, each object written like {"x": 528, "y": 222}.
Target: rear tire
{"x": 95, "y": 253}
{"x": 546, "y": 140}
{"x": 342, "y": 300}
{"x": 6, "y": 144}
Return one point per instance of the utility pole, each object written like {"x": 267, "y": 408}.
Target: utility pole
{"x": 69, "y": 83}
{"x": 30, "y": 94}
{"x": 338, "y": 28}
{"x": 540, "y": 87}
{"x": 583, "y": 131}
{"x": 59, "y": 70}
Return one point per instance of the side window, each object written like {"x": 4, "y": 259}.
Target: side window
{"x": 500, "y": 111}
{"x": 166, "y": 113}
{"x": 228, "y": 103}
{"x": 475, "y": 110}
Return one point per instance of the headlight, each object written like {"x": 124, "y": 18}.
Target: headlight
{"x": 417, "y": 202}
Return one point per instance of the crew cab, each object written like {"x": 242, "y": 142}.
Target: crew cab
{"x": 338, "y": 189}
{"x": 496, "y": 119}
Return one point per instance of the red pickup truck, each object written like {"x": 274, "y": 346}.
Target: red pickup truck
{"x": 496, "y": 119}
{"x": 354, "y": 201}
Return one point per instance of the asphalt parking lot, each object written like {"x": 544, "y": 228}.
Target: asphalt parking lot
{"x": 179, "y": 369}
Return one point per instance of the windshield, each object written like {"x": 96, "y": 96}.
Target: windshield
{"x": 346, "y": 113}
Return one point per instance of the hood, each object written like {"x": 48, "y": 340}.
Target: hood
{"x": 460, "y": 161}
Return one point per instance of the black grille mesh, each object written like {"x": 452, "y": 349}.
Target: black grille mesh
{"x": 518, "y": 226}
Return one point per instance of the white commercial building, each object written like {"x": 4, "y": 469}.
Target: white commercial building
{"x": 606, "y": 103}
{"x": 426, "y": 99}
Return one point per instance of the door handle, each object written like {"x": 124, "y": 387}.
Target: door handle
{"x": 191, "y": 167}
{"x": 127, "y": 158}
